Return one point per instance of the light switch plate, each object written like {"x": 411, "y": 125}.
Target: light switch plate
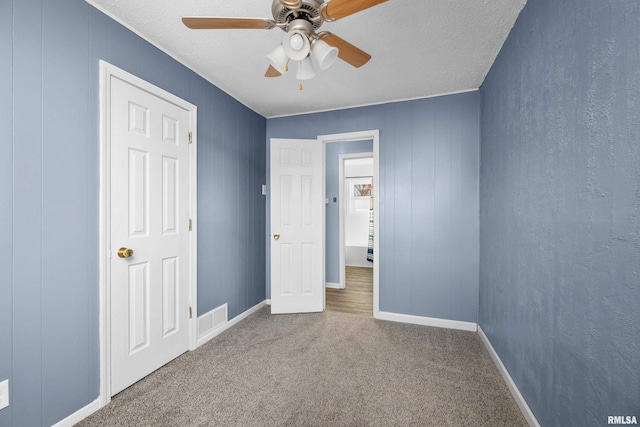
{"x": 4, "y": 394}
{"x": 264, "y": 190}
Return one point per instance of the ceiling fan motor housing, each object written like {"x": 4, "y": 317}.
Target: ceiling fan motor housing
{"x": 285, "y": 11}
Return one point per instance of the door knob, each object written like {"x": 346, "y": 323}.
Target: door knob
{"x": 125, "y": 253}
{"x": 276, "y": 236}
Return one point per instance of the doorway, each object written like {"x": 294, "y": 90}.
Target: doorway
{"x": 351, "y": 288}
{"x": 355, "y": 209}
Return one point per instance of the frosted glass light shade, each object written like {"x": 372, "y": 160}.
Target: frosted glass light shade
{"x": 296, "y": 42}
{"x": 278, "y": 59}
{"x": 323, "y": 54}
{"x": 296, "y": 45}
{"x": 305, "y": 69}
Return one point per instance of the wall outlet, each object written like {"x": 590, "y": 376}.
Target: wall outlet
{"x": 4, "y": 394}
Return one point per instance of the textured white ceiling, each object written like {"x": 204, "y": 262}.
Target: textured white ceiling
{"x": 420, "y": 48}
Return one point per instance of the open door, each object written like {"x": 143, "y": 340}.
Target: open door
{"x": 297, "y": 229}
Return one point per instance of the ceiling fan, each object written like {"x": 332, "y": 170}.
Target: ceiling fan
{"x": 300, "y": 20}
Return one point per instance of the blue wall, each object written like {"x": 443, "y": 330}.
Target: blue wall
{"x": 49, "y": 149}
{"x": 332, "y": 217}
{"x": 6, "y": 188}
{"x": 429, "y": 169}
{"x": 560, "y": 209}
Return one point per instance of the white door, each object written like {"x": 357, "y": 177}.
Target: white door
{"x": 149, "y": 290}
{"x": 297, "y": 230}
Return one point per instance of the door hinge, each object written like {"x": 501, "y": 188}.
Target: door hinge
{"x": 190, "y": 137}
{"x": 190, "y": 313}
{"x": 190, "y": 225}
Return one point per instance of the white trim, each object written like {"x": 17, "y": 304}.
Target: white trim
{"x": 391, "y": 101}
{"x": 104, "y": 273}
{"x": 106, "y": 72}
{"x": 324, "y": 224}
{"x": 267, "y": 301}
{"x": 428, "y": 321}
{"x": 79, "y": 415}
{"x": 359, "y": 136}
{"x": 341, "y": 213}
{"x": 342, "y": 284}
{"x": 513, "y": 388}
{"x": 193, "y": 234}
{"x": 330, "y": 285}
{"x": 217, "y": 331}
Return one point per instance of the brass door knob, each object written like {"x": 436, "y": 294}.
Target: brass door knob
{"x": 276, "y": 236}
{"x": 125, "y": 253}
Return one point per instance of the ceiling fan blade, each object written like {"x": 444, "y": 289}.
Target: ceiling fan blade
{"x": 346, "y": 51}
{"x": 272, "y": 72}
{"x": 210, "y": 23}
{"x": 338, "y": 9}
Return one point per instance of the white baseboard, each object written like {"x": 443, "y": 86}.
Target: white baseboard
{"x": 79, "y": 415}
{"x": 268, "y": 302}
{"x": 330, "y": 285}
{"x": 209, "y": 335}
{"x": 526, "y": 411}
{"x": 427, "y": 321}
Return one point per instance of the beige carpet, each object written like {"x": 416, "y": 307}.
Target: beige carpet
{"x": 326, "y": 369}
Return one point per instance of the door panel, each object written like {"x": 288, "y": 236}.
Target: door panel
{"x": 297, "y": 256}
{"x": 138, "y": 193}
{"x": 169, "y": 194}
{"x": 170, "y": 291}
{"x": 138, "y": 306}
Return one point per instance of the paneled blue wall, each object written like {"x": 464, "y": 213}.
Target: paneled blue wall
{"x": 429, "y": 169}
{"x": 49, "y": 149}
{"x": 6, "y": 188}
{"x": 332, "y": 217}
{"x": 560, "y": 209}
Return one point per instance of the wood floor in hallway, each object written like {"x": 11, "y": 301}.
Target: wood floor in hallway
{"x": 357, "y": 297}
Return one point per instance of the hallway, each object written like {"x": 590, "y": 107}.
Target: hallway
{"x": 357, "y": 297}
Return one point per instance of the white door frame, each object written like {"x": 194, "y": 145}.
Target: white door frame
{"x": 373, "y": 135}
{"x": 107, "y": 71}
{"x": 341, "y": 211}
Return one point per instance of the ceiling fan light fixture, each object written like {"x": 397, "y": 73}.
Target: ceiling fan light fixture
{"x": 296, "y": 42}
{"x": 278, "y": 59}
{"x": 323, "y": 54}
{"x": 305, "y": 69}
{"x": 296, "y": 45}
{"x": 301, "y": 21}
